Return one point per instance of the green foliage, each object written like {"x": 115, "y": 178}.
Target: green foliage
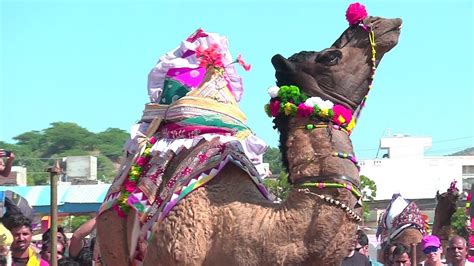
{"x": 37, "y": 150}
{"x": 273, "y": 157}
{"x": 63, "y": 136}
{"x": 33, "y": 140}
{"x": 278, "y": 187}
{"x": 74, "y": 222}
{"x": 111, "y": 141}
{"x": 369, "y": 192}
{"x": 105, "y": 169}
{"x": 459, "y": 221}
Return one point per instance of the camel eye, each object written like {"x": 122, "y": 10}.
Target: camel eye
{"x": 329, "y": 58}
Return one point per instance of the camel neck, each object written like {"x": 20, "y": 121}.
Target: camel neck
{"x": 320, "y": 152}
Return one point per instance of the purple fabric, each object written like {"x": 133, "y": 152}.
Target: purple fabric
{"x": 191, "y": 77}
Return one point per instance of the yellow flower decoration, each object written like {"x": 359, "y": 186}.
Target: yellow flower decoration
{"x": 147, "y": 151}
{"x": 123, "y": 199}
{"x": 324, "y": 112}
{"x": 134, "y": 173}
{"x": 289, "y": 108}
{"x": 341, "y": 119}
{"x": 351, "y": 125}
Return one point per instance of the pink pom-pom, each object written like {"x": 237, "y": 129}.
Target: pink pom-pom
{"x": 341, "y": 111}
{"x": 304, "y": 110}
{"x": 275, "y": 108}
{"x": 129, "y": 186}
{"x": 355, "y": 13}
{"x": 142, "y": 161}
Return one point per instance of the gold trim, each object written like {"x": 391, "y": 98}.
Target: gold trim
{"x": 209, "y": 104}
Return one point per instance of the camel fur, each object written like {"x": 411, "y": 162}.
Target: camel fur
{"x": 445, "y": 208}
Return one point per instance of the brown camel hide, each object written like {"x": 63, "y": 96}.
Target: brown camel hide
{"x": 445, "y": 208}
{"x": 228, "y": 222}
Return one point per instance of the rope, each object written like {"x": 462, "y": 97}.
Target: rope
{"x": 321, "y": 185}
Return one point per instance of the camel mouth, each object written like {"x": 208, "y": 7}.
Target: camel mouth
{"x": 388, "y": 38}
{"x": 283, "y": 65}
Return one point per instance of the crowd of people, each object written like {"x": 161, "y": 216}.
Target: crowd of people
{"x": 77, "y": 251}
{"x": 397, "y": 254}
{"x": 21, "y": 251}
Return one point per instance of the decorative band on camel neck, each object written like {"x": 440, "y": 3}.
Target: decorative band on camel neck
{"x": 291, "y": 101}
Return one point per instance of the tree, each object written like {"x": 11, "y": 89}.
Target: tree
{"x": 278, "y": 187}
{"x": 34, "y": 140}
{"x": 63, "y": 136}
{"x": 111, "y": 141}
{"x": 75, "y": 222}
{"x": 459, "y": 222}
{"x": 368, "y": 189}
{"x": 37, "y": 150}
{"x": 273, "y": 157}
{"x": 105, "y": 169}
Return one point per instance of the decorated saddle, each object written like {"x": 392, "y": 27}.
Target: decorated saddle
{"x": 400, "y": 215}
{"x": 189, "y": 131}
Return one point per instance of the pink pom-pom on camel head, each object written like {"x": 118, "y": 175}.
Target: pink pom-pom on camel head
{"x": 355, "y": 13}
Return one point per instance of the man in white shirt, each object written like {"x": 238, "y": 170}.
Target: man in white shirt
{"x": 457, "y": 252}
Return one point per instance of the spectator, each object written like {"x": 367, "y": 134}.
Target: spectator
{"x": 46, "y": 251}
{"x": 6, "y": 240}
{"x": 22, "y": 253}
{"x": 66, "y": 261}
{"x": 362, "y": 246}
{"x": 5, "y": 168}
{"x": 401, "y": 255}
{"x": 60, "y": 235}
{"x": 77, "y": 243}
{"x": 355, "y": 258}
{"x": 387, "y": 251}
{"x": 457, "y": 252}
{"x": 431, "y": 246}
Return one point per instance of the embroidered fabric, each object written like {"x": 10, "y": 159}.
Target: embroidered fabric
{"x": 202, "y": 130}
{"x": 180, "y": 70}
{"x": 399, "y": 215}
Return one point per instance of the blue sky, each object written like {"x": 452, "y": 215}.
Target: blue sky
{"x": 87, "y": 62}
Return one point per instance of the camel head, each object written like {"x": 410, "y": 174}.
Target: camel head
{"x": 450, "y": 197}
{"x": 339, "y": 77}
{"x": 340, "y": 73}
{"x": 446, "y": 207}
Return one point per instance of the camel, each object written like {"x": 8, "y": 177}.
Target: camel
{"x": 402, "y": 223}
{"x": 445, "y": 208}
{"x": 229, "y": 220}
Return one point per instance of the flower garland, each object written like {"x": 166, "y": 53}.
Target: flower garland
{"x": 126, "y": 200}
{"x": 290, "y": 101}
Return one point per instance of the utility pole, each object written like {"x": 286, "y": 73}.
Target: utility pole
{"x": 53, "y": 173}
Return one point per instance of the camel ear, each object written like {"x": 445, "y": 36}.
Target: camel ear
{"x": 437, "y": 195}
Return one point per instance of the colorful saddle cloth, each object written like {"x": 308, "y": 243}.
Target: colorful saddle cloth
{"x": 189, "y": 132}
{"x": 399, "y": 215}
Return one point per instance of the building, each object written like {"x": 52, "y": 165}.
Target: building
{"x": 17, "y": 177}
{"x": 81, "y": 170}
{"x": 405, "y": 169}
